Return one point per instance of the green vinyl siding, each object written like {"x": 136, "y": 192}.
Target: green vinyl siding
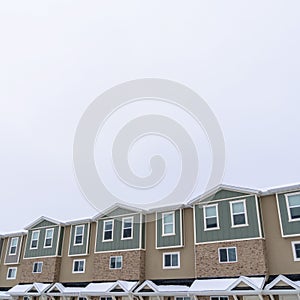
{"x": 169, "y": 240}
{"x": 118, "y": 243}
{"x": 44, "y": 223}
{"x": 225, "y": 194}
{"x": 120, "y": 211}
{"x": 41, "y": 251}
{"x": 226, "y": 231}
{"x": 79, "y": 249}
{"x": 288, "y": 227}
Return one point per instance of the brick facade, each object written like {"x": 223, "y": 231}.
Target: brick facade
{"x": 250, "y": 253}
{"x": 133, "y": 266}
{"x": 50, "y": 270}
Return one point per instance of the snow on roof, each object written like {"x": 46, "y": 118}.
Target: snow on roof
{"x": 281, "y": 188}
{"x": 203, "y": 285}
{"x": 4, "y": 295}
{"x": 172, "y": 288}
{"x": 257, "y": 281}
{"x": 96, "y": 288}
{"x": 126, "y": 285}
{"x": 20, "y": 289}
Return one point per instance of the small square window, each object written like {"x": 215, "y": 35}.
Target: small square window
{"x": 13, "y": 246}
{"x": 227, "y": 255}
{"x": 79, "y": 266}
{"x": 79, "y": 232}
{"x": 37, "y": 267}
{"x": 11, "y": 273}
{"x": 296, "y": 250}
{"x": 115, "y": 262}
{"x": 171, "y": 260}
{"x": 168, "y": 223}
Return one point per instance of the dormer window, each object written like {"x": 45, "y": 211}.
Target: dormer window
{"x": 13, "y": 246}
{"x": 34, "y": 239}
{"x": 293, "y": 206}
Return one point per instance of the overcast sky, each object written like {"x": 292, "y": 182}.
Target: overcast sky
{"x": 56, "y": 57}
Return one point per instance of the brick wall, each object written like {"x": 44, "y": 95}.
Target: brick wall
{"x": 50, "y": 270}
{"x": 133, "y": 266}
{"x": 250, "y": 254}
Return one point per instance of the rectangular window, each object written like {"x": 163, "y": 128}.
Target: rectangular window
{"x": 48, "y": 238}
{"x": 238, "y": 213}
{"x": 171, "y": 260}
{"x": 296, "y": 250}
{"x": 168, "y": 223}
{"x": 227, "y": 255}
{"x": 127, "y": 228}
{"x": 37, "y": 267}
{"x": 34, "y": 239}
{"x": 108, "y": 227}
{"x": 115, "y": 262}
{"x": 13, "y": 246}
{"x": 211, "y": 217}
{"x": 293, "y": 205}
{"x": 78, "y": 265}
{"x": 219, "y": 298}
{"x": 105, "y": 298}
{"x": 79, "y": 232}
{"x": 11, "y": 273}
{"x": 183, "y": 298}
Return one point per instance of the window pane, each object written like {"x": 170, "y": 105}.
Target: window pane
{"x": 168, "y": 218}
{"x": 297, "y": 250}
{"x": 294, "y": 200}
{"x": 168, "y": 260}
{"x": 168, "y": 228}
{"x": 238, "y": 207}
{"x": 295, "y": 212}
{"x": 108, "y": 235}
{"x": 35, "y": 235}
{"x": 231, "y": 254}
{"x": 211, "y": 222}
{"x": 127, "y": 233}
{"x": 79, "y": 230}
{"x": 174, "y": 260}
{"x": 108, "y": 225}
{"x": 239, "y": 219}
{"x": 49, "y": 233}
{"x": 223, "y": 255}
{"x": 211, "y": 211}
{"x": 112, "y": 262}
{"x": 127, "y": 223}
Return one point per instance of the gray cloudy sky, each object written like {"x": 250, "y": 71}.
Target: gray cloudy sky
{"x": 56, "y": 57}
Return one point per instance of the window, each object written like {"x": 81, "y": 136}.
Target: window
{"x": 171, "y": 260}
{"x": 34, "y": 239}
{"x": 296, "y": 250}
{"x": 127, "y": 224}
{"x": 48, "y": 238}
{"x": 211, "y": 217}
{"x": 115, "y": 262}
{"x": 11, "y": 273}
{"x": 238, "y": 213}
{"x": 78, "y": 265}
{"x": 168, "y": 224}
{"x": 227, "y": 255}
{"x": 37, "y": 267}
{"x": 219, "y": 298}
{"x": 79, "y": 232}
{"x": 183, "y": 298}
{"x": 108, "y": 227}
{"x": 13, "y": 246}
{"x": 293, "y": 204}
{"x": 105, "y": 298}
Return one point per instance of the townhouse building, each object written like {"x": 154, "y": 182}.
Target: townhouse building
{"x": 231, "y": 243}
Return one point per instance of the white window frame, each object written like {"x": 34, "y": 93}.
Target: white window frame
{"x": 227, "y": 262}
{"x": 163, "y": 223}
{"x": 245, "y": 212}
{"x": 48, "y": 230}
{"x": 112, "y": 230}
{"x": 39, "y": 263}
{"x": 116, "y": 256}
{"x": 38, "y": 237}
{"x": 294, "y": 250}
{"x": 73, "y": 268}
{"x": 171, "y": 253}
{"x": 288, "y": 206}
{"x": 183, "y": 298}
{"x": 219, "y": 297}
{"x": 16, "y": 238}
{"x": 75, "y": 234}
{"x": 205, "y": 217}
{"x": 123, "y": 222}
{"x": 12, "y": 278}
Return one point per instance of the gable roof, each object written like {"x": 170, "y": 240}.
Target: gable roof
{"x": 283, "y": 279}
{"x": 35, "y": 288}
{"x": 256, "y": 283}
{"x": 226, "y": 187}
{"x": 43, "y": 218}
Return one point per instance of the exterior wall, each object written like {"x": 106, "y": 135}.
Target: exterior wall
{"x": 172, "y": 240}
{"x": 250, "y": 256}
{"x": 66, "y": 274}
{"x": 278, "y": 249}
{"x": 50, "y": 270}
{"x": 154, "y": 256}
{"x": 133, "y": 266}
{"x": 226, "y": 231}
